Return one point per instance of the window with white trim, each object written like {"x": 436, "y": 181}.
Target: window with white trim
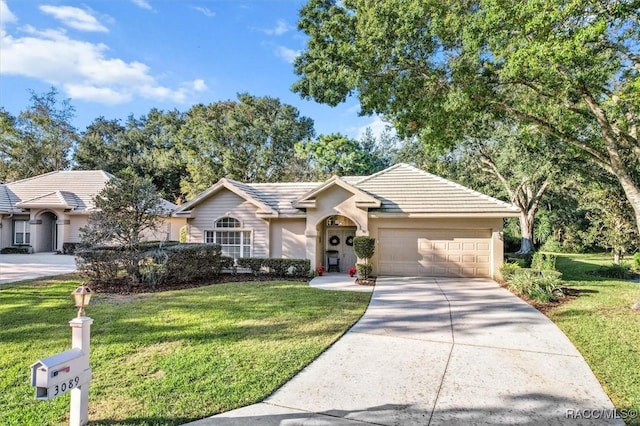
{"x": 21, "y": 232}
{"x": 228, "y": 234}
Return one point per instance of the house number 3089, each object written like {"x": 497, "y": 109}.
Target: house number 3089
{"x": 66, "y": 386}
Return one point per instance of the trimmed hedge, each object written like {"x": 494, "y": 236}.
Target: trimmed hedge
{"x": 69, "y": 248}
{"x": 17, "y": 250}
{"x": 173, "y": 263}
{"x": 156, "y": 263}
{"x": 190, "y": 262}
{"x": 276, "y": 266}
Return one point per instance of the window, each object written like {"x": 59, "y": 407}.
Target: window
{"x": 21, "y": 232}
{"x": 235, "y": 242}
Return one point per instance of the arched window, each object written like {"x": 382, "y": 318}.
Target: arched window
{"x": 228, "y": 234}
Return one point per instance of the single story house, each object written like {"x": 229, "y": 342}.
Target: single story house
{"x": 424, "y": 225}
{"x": 48, "y": 210}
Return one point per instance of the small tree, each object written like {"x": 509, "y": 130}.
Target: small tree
{"x": 364, "y": 248}
{"x": 125, "y": 210}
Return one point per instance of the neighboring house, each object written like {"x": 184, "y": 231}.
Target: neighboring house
{"x": 423, "y": 224}
{"x": 48, "y": 210}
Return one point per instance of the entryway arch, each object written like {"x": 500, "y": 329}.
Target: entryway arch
{"x": 47, "y": 238}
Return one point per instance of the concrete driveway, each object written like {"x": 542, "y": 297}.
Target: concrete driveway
{"x": 18, "y": 267}
{"x": 440, "y": 352}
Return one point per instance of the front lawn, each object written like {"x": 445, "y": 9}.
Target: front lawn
{"x": 604, "y": 328}
{"x": 168, "y": 358}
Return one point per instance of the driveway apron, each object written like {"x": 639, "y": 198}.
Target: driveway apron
{"x": 440, "y": 351}
{"x": 18, "y": 267}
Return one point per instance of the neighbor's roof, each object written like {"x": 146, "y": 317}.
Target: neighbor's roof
{"x": 400, "y": 189}
{"x": 67, "y": 189}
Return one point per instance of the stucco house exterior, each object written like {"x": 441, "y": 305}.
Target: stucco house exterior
{"x": 48, "y": 210}
{"x": 424, "y": 225}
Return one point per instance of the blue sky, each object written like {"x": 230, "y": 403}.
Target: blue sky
{"x": 114, "y": 58}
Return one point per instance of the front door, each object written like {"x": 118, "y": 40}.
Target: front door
{"x": 341, "y": 240}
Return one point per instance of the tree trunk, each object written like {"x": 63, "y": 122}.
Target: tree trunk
{"x": 526, "y": 229}
{"x": 617, "y": 254}
{"x": 632, "y": 193}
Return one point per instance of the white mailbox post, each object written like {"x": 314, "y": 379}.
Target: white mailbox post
{"x": 69, "y": 371}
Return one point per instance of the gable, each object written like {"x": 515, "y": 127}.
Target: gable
{"x": 361, "y": 198}
{"x": 243, "y": 191}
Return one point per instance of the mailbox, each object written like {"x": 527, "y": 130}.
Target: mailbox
{"x": 59, "y": 373}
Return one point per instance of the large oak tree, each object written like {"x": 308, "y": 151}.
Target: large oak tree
{"x": 437, "y": 67}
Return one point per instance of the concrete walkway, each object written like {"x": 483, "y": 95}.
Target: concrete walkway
{"x": 439, "y": 352}
{"x": 18, "y": 267}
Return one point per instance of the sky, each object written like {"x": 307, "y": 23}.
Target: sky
{"x": 114, "y": 58}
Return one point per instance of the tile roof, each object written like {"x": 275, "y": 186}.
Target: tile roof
{"x": 69, "y": 189}
{"x": 401, "y": 189}
{"x": 406, "y": 189}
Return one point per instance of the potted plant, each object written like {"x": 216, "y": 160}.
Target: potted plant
{"x": 364, "y": 248}
{"x": 352, "y": 271}
{"x": 320, "y": 270}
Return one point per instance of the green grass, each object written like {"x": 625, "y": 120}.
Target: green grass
{"x": 168, "y": 358}
{"x": 603, "y": 327}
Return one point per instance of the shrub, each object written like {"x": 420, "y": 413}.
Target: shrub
{"x": 543, "y": 261}
{"x": 620, "y": 271}
{"x": 253, "y": 263}
{"x": 17, "y": 250}
{"x": 183, "y": 234}
{"x": 99, "y": 264}
{"x": 176, "y": 263}
{"x": 191, "y": 262}
{"x": 277, "y": 266}
{"x": 69, "y": 248}
{"x": 364, "y": 270}
{"x": 541, "y": 286}
{"x": 636, "y": 261}
{"x": 523, "y": 260}
{"x": 364, "y": 247}
{"x": 507, "y": 270}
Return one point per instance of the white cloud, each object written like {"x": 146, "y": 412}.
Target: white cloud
{"x": 280, "y": 28}
{"x": 287, "y": 54}
{"x": 84, "y": 70}
{"x": 205, "y": 11}
{"x": 103, "y": 95}
{"x": 144, "y": 4}
{"x": 75, "y": 18}
{"x": 378, "y": 126}
{"x": 5, "y": 14}
{"x": 199, "y": 85}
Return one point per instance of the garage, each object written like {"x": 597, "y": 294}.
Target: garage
{"x": 434, "y": 252}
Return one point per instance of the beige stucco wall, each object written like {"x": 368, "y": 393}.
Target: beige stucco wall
{"x": 168, "y": 229}
{"x": 226, "y": 203}
{"x": 287, "y": 238}
{"x": 494, "y": 225}
{"x": 333, "y": 201}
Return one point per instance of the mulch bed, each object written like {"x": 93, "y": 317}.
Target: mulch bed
{"x": 569, "y": 295}
{"x": 370, "y": 281}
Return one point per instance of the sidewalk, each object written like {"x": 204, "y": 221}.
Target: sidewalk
{"x": 438, "y": 352}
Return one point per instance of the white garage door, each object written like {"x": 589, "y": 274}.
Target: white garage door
{"x": 434, "y": 252}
